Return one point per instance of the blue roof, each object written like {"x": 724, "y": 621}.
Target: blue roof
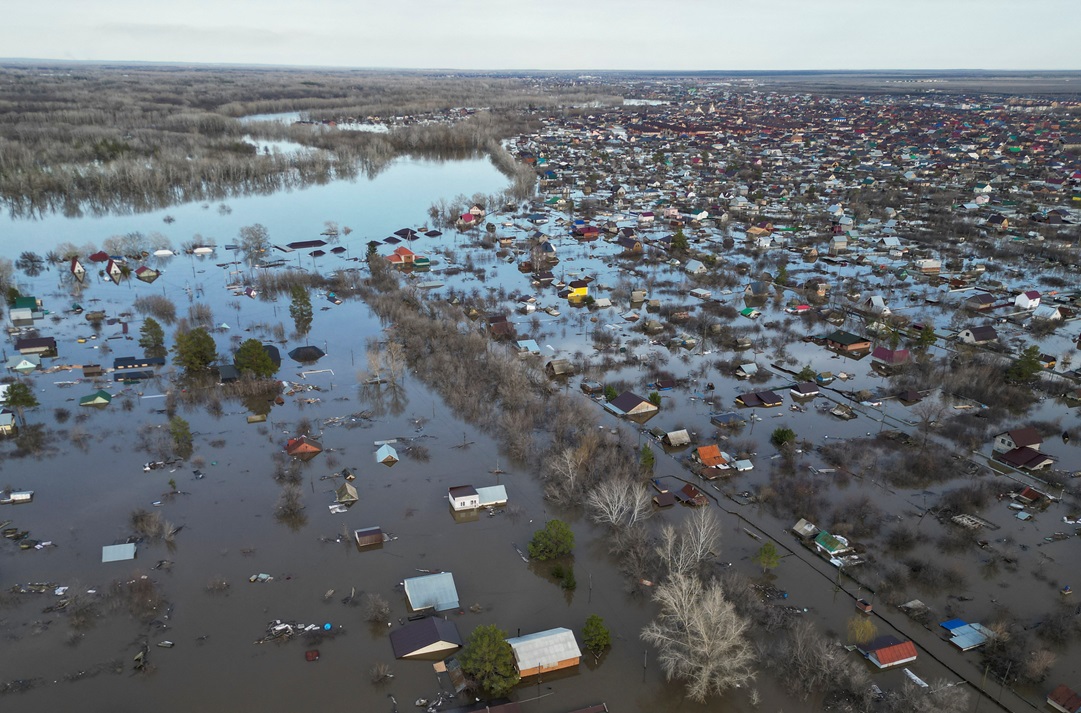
{"x": 953, "y": 624}
{"x": 432, "y": 591}
{"x": 970, "y": 636}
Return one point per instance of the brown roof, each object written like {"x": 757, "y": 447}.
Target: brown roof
{"x": 1027, "y": 436}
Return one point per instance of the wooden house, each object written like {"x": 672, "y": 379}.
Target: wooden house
{"x": 846, "y": 342}
{"x": 558, "y": 367}
{"x": 114, "y": 272}
{"x": 545, "y": 651}
{"x": 368, "y": 537}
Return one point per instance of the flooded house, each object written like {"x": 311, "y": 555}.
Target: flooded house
{"x": 432, "y": 591}
{"x": 1064, "y": 699}
{"x": 888, "y": 651}
{"x": 463, "y": 497}
{"x": 98, "y": 398}
{"x": 1020, "y": 448}
{"x": 7, "y": 423}
{"x": 755, "y": 399}
{"x": 630, "y": 404}
{"x": 558, "y": 367}
{"x": 41, "y": 346}
{"x": 846, "y": 342}
{"x": 368, "y": 537}
{"x": 430, "y": 637}
{"x": 386, "y": 455}
{"x": 303, "y": 447}
{"x": 545, "y": 651}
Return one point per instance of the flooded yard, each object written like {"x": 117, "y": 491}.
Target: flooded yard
{"x": 223, "y": 506}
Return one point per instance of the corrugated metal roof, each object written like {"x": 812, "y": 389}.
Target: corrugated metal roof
{"x": 545, "y": 648}
{"x": 118, "y": 553}
{"x": 432, "y": 591}
{"x": 492, "y": 495}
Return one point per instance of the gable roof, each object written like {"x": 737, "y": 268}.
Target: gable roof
{"x": 1027, "y": 436}
{"x": 544, "y": 648}
{"x": 430, "y": 635}
{"x": 626, "y": 401}
{"x": 432, "y": 591}
{"x": 893, "y": 654}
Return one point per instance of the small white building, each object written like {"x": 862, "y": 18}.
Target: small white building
{"x": 463, "y": 497}
{"x": 1029, "y": 299}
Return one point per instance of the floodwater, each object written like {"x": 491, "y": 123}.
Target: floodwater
{"x": 84, "y": 496}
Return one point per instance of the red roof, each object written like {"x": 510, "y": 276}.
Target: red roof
{"x": 895, "y": 654}
{"x": 1064, "y": 697}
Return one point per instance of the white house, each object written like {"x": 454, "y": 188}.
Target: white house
{"x": 463, "y": 497}
{"x": 1027, "y": 300}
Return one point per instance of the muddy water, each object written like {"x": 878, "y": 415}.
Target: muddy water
{"x": 84, "y": 498}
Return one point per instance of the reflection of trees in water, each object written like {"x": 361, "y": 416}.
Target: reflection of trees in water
{"x": 384, "y": 399}
{"x": 290, "y": 508}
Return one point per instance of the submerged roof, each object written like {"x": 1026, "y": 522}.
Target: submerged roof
{"x": 432, "y": 591}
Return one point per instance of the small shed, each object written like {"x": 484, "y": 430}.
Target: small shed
{"x": 677, "y": 439}
{"x": 558, "y": 367}
{"x": 368, "y": 537}
{"x": 98, "y": 398}
{"x": 118, "y": 553}
{"x": 386, "y": 455}
{"x": 346, "y": 494}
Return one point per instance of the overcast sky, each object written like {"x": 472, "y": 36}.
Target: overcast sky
{"x": 556, "y": 34}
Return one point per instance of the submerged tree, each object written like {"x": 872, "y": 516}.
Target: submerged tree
{"x": 181, "y": 434}
{"x": 555, "y": 540}
{"x": 254, "y": 242}
{"x": 595, "y": 635}
{"x": 767, "y": 557}
{"x": 152, "y": 338}
{"x": 194, "y": 350}
{"x": 20, "y": 398}
{"x": 700, "y": 638}
{"x": 253, "y": 359}
{"x": 488, "y": 660}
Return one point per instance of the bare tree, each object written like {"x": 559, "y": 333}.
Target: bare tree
{"x": 564, "y": 474}
{"x": 940, "y": 697}
{"x": 376, "y": 608}
{"x": 686, "y": 547}
{"x": 619, "y": 502}
{"x": 700, "y": 638}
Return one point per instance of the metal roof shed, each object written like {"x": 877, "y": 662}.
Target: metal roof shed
{"x": 118, "y": 553}
{"x": 432, "y": 591}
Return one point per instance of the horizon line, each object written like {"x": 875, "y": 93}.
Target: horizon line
{"x": 531, "y": 70}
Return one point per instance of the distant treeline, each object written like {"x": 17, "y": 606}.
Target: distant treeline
{"x": 100, "y": 139}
